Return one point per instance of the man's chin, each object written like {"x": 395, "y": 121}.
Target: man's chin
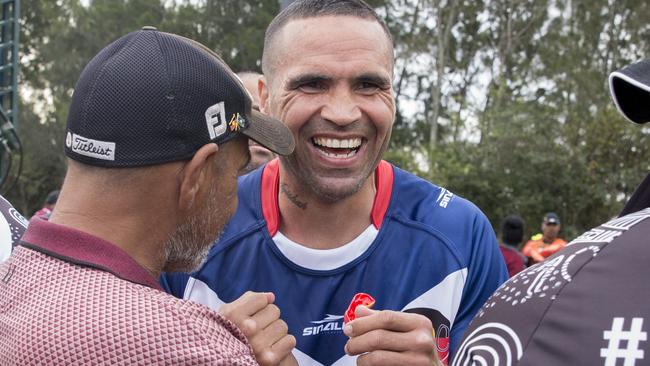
{"x": 187, "y": 260}
{"x": 334, "y": 190}
{"x": 187, "y": 265}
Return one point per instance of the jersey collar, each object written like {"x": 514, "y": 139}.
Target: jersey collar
{"x": 271, "y": 183}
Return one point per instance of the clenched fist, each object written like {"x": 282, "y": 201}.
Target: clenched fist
{"x": 259, "y": 319}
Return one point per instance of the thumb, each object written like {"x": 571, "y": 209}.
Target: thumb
{"x": 362, "y": 311}
{"x": 270, "y": 297}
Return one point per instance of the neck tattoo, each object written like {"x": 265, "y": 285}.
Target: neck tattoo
{"x": 292, "y": 196}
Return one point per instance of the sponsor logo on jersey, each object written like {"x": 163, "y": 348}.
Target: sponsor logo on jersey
{"x": 444, "y": 197}
{"x": 330, "y": 324}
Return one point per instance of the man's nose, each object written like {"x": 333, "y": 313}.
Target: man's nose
{"x": 342, "y": 107}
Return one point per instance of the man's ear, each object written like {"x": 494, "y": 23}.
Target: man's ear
{"x": 195, "y": 176}
{"x": 263, "y": 90}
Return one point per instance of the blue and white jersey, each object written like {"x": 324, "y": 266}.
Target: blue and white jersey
{"x": 427, "y": 251}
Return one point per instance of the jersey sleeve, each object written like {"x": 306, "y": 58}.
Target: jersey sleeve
{"x": 174, "y": 283}
{"x": 486, "y": 272}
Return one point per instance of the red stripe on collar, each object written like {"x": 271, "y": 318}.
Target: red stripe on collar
{"x": 271, "y": 184}
{"x": 384, "y": 183}
{"x": 270, "y": 188}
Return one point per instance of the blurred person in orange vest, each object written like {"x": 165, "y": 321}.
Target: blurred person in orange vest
{"x": 540, "y": 246}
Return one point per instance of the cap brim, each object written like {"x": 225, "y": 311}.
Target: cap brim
{"x": 630, "y": 89}
{"x": 270, "y": 133}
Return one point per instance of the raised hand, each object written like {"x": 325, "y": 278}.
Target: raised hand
{"x": 259, "y": 319}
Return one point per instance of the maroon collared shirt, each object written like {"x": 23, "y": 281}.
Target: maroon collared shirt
{"x": 67, "y": 297}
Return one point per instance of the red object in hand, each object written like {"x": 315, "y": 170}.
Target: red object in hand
{"x": 358, "y": 299}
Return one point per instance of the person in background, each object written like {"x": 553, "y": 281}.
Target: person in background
{"x": 259, "y": 154}
{"x": 540, "y": 246}
{"x": 50, "y": 202}
{"x": 512, "y": 234}
{"x": 156, "y": 136}
{"x": 587, "y": 304}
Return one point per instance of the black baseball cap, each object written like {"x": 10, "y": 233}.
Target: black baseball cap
{"x": 551, "y": 218}
{"x": 152, "y": 97}
{"x": 630, "y": 88}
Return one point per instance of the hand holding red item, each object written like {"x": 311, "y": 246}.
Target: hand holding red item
{"x": 358, "y": 299}
{"x": 388, "y": 337}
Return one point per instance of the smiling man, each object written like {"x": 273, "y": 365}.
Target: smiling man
{"x": 333, "y": 219}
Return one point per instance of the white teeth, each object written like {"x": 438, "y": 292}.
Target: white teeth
{"x": 338, "y": 143}
{"x": 339, "y": 156}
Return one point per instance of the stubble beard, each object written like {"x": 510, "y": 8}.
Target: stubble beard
{"x": 324, "y": 192}
{"x": 188, "y": 246}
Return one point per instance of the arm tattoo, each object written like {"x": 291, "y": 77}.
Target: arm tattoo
{"x": 293, "y": 197}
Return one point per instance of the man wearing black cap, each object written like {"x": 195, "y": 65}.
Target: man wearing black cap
{"x": 157, "y": 133}
{"x": 540, "y": 246}
{"x": 588, "y": 304}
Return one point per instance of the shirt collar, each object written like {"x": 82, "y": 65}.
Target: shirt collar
{"x": 74, "y": 246}
{"x": 271, "y": 182}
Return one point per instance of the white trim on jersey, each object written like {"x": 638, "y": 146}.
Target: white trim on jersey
{"x": 444, "y": 297}
{"x": 325, "y": 259}
{"x": 304, "y": 359}
{"x": 198, "y": 291}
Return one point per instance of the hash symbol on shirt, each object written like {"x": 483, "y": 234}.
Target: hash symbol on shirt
{"x": 614, "y": 350}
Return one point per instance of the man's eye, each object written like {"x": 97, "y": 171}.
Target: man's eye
{"x": 367, "y": 87}
{"x": 312, "y": 86}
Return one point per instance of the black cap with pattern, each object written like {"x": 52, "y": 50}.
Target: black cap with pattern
{"x": 152, "y": 97}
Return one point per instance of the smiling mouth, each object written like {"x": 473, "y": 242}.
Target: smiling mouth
{"x": 337, "y": 148}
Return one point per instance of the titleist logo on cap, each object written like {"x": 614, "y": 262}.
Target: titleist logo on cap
{"x": 94, "y": 148}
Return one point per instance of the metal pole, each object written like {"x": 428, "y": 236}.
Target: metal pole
{"x": 15, "y": 62}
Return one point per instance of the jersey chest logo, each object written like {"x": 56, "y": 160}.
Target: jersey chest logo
{"x": 330, "y": 324}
